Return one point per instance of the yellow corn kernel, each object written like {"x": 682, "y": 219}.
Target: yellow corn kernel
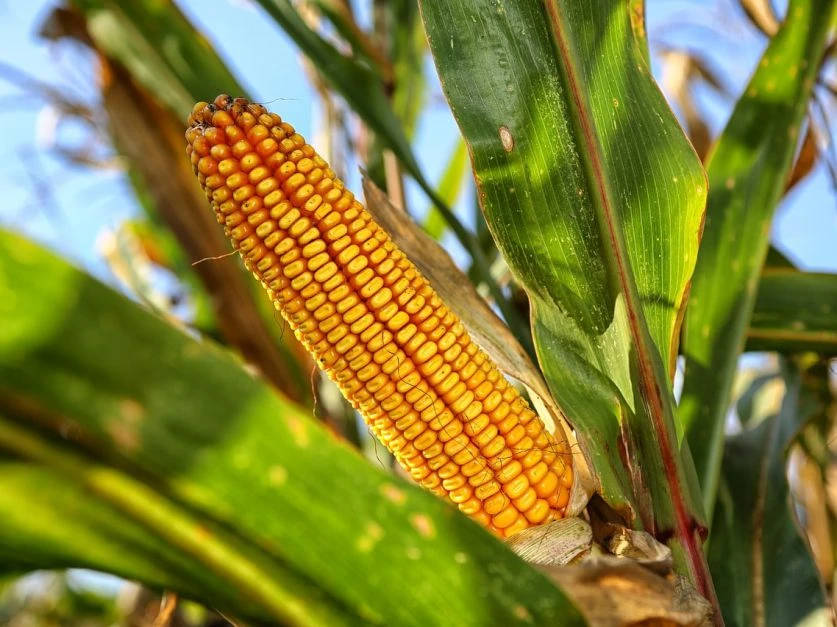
{"x": 374, "y": 323}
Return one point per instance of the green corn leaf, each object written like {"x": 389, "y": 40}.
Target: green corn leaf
{"x": 88, "y": 515}
{"x": 747, "y": 171}
{"x": 595, "y": 199}
{"x": 794, "y": 312}
{"x": 762, "y": 567}
{"x": 173, "y": 434}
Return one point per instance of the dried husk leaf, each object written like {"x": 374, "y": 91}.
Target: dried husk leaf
{"x": 807, "y": 158}
{"x": 761, "y": 15}
{"x": 617, "y": 592}
{"x": 558, "y": 543}
{"x": 639, "y": 546}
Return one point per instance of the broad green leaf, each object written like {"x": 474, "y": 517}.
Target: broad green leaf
{"x": 794, "y": 312}
{"x": 161, "y": 50}
{"x": 763, "y": 571}
{"x": 88, "y": 515}
{"x": 122, "y": 398}
{"x": 65, "y": 524}
{"x": 747, "y": 171}
{"x": 595, "y": 198}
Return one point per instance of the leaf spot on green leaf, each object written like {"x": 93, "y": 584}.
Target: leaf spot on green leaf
{"x": 131, "y": 411}
{"x": 372, "y": 533}
{"x": 506, "y": 139}
{"x": 124, "y": 429}
{"x": 522, "y": 613}
{"x": 299, "y": 431}
{"x": 413, "y": 553}
{"x": 202, "y": 532}
{"x": 615, "y": 103}
{"x": 423, "y": 525}
{"x": 277, "y": 475}
{"x": 123, "y": 435}
{"x": 730, "y": 183}
{"x": 192, "y": 350}
{"x": 393, "y": 494}
{"x": 460, "y": 558}
{"x": 369, "y": 614}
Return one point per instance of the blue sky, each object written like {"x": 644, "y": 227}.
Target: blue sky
{"x": 77, "y": 204}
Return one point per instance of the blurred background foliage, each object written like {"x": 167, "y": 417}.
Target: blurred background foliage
{"x": 96, "y": 169}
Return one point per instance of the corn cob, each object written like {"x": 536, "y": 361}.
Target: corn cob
{"x": 374, "y": 323}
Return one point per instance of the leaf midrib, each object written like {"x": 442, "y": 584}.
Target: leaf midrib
{"x": 648, "y": 382}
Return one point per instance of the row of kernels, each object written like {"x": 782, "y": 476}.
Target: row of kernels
{"x": 400, "y": 426}
{"x": 458, "y": 492}
{"x": 424, "y": 334}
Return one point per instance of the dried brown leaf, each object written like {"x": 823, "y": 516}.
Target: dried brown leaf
{"x": 641, "y": 547}
{"x": 806, "y": 159}
{"x": 617, "y": 592}
{"x": 761, "y": 15}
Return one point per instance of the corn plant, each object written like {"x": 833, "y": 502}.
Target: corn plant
{"x": 528, "y": 391}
